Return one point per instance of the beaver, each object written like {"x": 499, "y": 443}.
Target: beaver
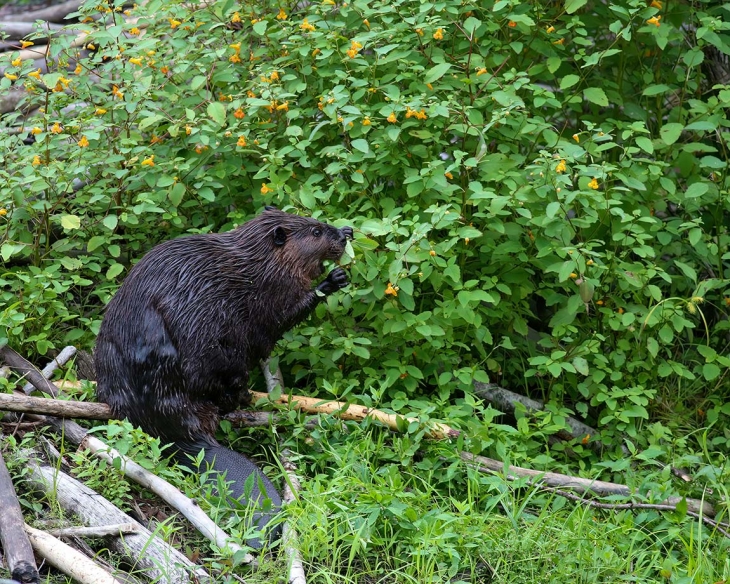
{"x": 193, "y": 316}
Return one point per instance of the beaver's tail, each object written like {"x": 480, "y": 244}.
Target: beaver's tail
{"x": 237, "y": 470}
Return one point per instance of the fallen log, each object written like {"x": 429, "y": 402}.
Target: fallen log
{"x": 146, "y": 552}
{"x": 15, "y": 402}
{"x": 57, "y": 13}
{"x": 66, "y": 559}
{"x": 95, "y": 531}
{"x": 16, "y": 30}
{"x": 15, "y": 543}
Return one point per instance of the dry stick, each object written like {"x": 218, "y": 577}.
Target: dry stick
{"x": 552, "y": 479}
{"x": 95, "y": 531}
{"x": 63, "y": 357}
{"x": 354, "y": 412}
{"x": 292, "y": 486}
{"x": 67, "y": 559}
{"x": 27, "y": 370}
{"x": 146, "y": 552}
{"x": 18, "y": 550}
{"x": 658, "y": 507}
{"x": 17, "y": 402}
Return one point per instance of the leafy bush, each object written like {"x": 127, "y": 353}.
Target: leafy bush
{"x": 539, "y": 193}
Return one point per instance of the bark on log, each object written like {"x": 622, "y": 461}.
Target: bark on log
{"x": 66, "y": 559}
{"x": 16, "y": 30}
{"x": 16, "y": 402}
{"x": 553, "y": 479}
{"x": 27, "y": 369}
{"x": 147, "y": 553}
{"x": 15, "y": 544}
{"x": 100, "y": 531}
{"x": 289, "y": 537}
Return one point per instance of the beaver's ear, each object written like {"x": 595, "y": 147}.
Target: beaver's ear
{"x": 270, "y": 208}
{"x": 279, "y": 236}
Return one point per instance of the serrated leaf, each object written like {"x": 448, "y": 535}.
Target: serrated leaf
{"x": 572, "y": 5}
{"x": 176, "y": 193}
{"x": 596, "y": 95}
{"x": 645, "y": 144}
{"x": 569, "y": 81}
{"x": 110, "y": 222}
{"x": 670, "y": 133}
{"x": 217, "y": 112}
{"x": 70, "y": 222}
{"x": 696, "y": 190}
{"x": 361, "y": 145}
{"x": 436, "y": 72}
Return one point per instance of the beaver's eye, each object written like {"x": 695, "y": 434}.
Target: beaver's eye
{"x": 316, "y": 232}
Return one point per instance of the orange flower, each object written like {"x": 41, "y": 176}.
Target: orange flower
{"x": 366, "y": 122}
{"x": 439, "y": 34}
{"x": 512, "y": 24}
{"x": 239, "y": 114}
{"x": 391, "y": 290}
{"x": 305, "y": 26}
{"x": 250, "y": 94}
{"x": 78, "y": 69}
{"x": 234, "y": 58}
{"x": 241, "y": 141}
{"x": 449, "y": 175}
{"x": 654, "y": 20}
{"x": 188, "y": 129}
{"x": 56, "y": 128}
{"x": 83, "y": 143}
{"x": 116, "y": 92}
{"x": 265, "y": 190}
{"x": 429, "y": 86}
{"x": 281, "y": 15}
{"x": 316, "y": 52}
{"x": 174, "y": 23}
{"x": 656, "y": 4}
{"x": 150, "y": 161}
{"x": 134, "y": 30}
{"x": 419, "y": 31}
{"x": 392, "y": 118}
{"x": 432, "y": 253}
{"x": 164, "y": 70}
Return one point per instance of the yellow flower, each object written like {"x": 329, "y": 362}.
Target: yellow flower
{"x": 274, "y": 76}
{"x": 134, "y": 30}
{"x": 550, "y": 29}
{"x": 559, "y": 42}
{"x": 281, "y": 15}
{"x": 100, "y": 111}
{"x": 429, "y": 86}
{"x": 11, "y": 76}
{"x": 250, "y": 94}
{"x": 391, "y": 290}
{"x": 35, "y": 131}
{"x": 116, "y": 92}
{"x": 392, "y": 118}
{"x": 419, "y": 31}
{"x": 316, "y": 52}
{"x": 164, "y": 70}
{"x": 561, "y": 167}
{"x": 593, "y": 184}
{"x": 654, "y": 20}
{"x": 56, "y": 128}
{"x": 366, "y": 22}
{"x": 26, "y": 44}
{"x": 3, "y": 212}
{"x": 78, "y": 69}
{"x": 149, "y": 161}
{"x": 366, "y": 122}
{"x": 174, "y": 23}
{"x": 234, "y": 58}
{"x": 136, "y": 61}
{"x": 466, "y": 241}
{"x": 481, "y": 71}
{"x": 576, "y": 137}
{"x": 83, "y": 143}
{"x": 265, "y": 190}
{"x": 16, "y": 62}
{"x": 188, "y": 129}
{"x": 283, "y": 107}
{"x": 656, "y": 4}
{"x": 439, "y": 34}
{"x": 35, "y": 74}
{"x": 36, "y": 160}
{"x": 236, "y": 17}
{"x": 305, "y": 26}
{"x": 241, "y": 141}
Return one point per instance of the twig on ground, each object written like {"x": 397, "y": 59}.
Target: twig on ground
{"x": 95, "y": 531}
{"x": 659, "y": 507}
{"x": 552, "y": 479}
{"x": 15, "y": 543}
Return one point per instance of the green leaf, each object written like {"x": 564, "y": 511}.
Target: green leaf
{"x": 70, "y": 222}
{"x": 710, "y": 371}
{"x": 569, "y": 81}
{"x": 361, "y": 145}
{"x": 693, "y": 58}
{"x": 114, "y": 270}
{"x": 696, "y": 190}
{"x": 260, "y": 27}
{"x": 176, "y": 194}
{"x": 581, "y": 365}
{"x": 655, "y": 90}
{"x": 670, "y": 133}
{"x": 95, "y": 242}
{"x": 686, "y": 270}
{"x": 573, "y": 5}
{"x": 217, "y": 112}
{"x": 110, "y": 222}
{"x": 307, "y": 198}
{"x": 436, "y": 72}
{"x": 596, "y": 95}
{"x": 552, "y": 209}
{"x": 645, "y": 144}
